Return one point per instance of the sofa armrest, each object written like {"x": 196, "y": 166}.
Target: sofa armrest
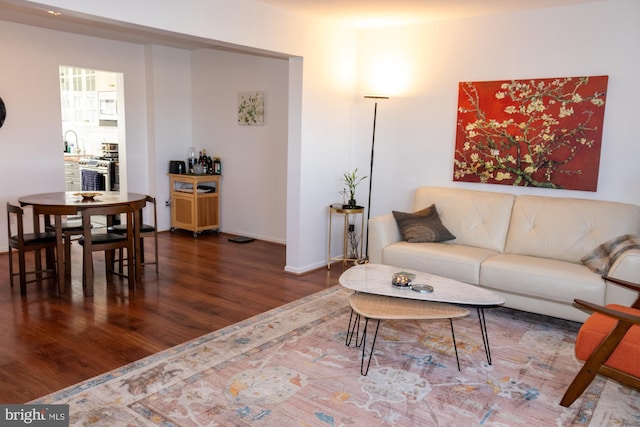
{"x": 383, "y": 231}
{"x": 626, "y": 267}
{"x": 623, "y": 283}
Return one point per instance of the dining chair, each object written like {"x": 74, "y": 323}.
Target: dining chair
{"x": 609, "y": 344}
{"x": 146, "y": 230}
{"x": 105, "y": 241}
{"x": 25, "y": 242}
{"x": 71, "y": 228}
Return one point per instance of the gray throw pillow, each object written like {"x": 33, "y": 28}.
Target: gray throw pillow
{"x": 422, "y": 226}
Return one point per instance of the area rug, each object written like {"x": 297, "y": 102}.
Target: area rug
{"x": 291, "y": 367}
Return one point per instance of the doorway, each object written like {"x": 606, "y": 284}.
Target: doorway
{"x": 93, "y": 129}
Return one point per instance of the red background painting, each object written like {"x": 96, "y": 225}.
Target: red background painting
{"x": 563, "y": 149}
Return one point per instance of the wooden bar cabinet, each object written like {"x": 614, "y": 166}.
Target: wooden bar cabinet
{"x": 195, "y": 202}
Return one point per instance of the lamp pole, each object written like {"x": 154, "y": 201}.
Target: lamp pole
{"x": 373, "y": 143}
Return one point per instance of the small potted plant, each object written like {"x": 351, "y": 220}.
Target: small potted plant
{"x": 351, "y": 180}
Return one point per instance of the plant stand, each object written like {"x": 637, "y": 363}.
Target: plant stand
{"x": 346, "y": 212}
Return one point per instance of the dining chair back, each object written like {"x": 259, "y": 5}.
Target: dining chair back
{"x": 105, "y": 241}
{"x": 609, "y": 343}
{"x": 71, "y": 228}
{"x": 24, "y": 242}
{"x": 149, "y": 228}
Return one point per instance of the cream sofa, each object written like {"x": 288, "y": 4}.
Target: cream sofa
{"x": 526, "y": 248}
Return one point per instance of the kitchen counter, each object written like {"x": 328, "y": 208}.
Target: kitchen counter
{"x": 75, "y": 157}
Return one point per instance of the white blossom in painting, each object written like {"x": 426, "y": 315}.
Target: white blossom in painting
{"x": 541, "y": 133}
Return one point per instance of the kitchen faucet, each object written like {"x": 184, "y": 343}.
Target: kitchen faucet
{"x": 67, "y": 148}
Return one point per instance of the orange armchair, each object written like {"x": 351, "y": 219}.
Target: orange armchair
{"x": 609, "y": 343}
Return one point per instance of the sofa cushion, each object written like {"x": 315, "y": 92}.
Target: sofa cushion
{"x": 544, "y": 278}
{"x": 457, "y": 262}
{"x": 422, "y": 226}
{"x": 564, "y": 228}
{"x": 476, "y": 218}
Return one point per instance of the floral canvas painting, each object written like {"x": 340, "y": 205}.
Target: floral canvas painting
{"x": 541, "y": 133}
{"x": 251, "y": 108}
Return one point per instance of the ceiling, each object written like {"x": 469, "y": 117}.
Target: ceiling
{"x": 29, "y": 13}
{"x": 355, "y": 13}
{"x": 377, "y": 13}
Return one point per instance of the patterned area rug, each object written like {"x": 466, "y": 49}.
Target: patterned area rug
{"x": 290, "y": 367}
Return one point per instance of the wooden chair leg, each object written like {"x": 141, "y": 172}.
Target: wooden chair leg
{"x": 155, "y": 248}
{"x": 23, "y": 274}
{"x": 67, "y": 256}
{"x": 38, "y": 263}
{"x": 51, "y": 258}
{"x": 120, "y": 260}
{"x": 87, "y": 272}
{"x": 130, "y": 272}
{"x": 109, "y": 264}
{"x": 592, "y": 365}
{"x": 10, "y": 267}
{"x": 141, "y": 243}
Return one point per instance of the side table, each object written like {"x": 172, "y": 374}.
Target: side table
{"x": 381, "y": 307}
{"x": 347, "y": 213}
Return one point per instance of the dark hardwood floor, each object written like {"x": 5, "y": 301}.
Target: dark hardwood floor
{"x": 50, "y": 341}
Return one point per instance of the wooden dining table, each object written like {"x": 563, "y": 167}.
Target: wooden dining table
{"x": 64, "y": 203}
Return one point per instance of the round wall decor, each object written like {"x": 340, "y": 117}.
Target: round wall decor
{"x": 3, "y": 112}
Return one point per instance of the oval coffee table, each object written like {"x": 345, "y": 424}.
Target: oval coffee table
{"x": 376, "y": 298}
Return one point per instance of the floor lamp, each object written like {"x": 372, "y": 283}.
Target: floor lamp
{"x": 373, "y": 143}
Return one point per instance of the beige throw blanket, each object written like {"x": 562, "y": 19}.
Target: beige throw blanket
{"x": 602, "y": 258}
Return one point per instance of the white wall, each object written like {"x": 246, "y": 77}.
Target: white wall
{"x": 32, "y": 160}
{"x": 159, "y": 121}
{"x": 416, "y": 128}
{"x": 254, "y": 158}
{"x": 322, "y": 137}
{"x": 169, "y": 119}
{"x": 331, "y": 131}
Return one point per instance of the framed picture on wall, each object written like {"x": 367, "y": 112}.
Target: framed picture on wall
{"x": 251, "y": 108}
{"x": 537, "y": 132}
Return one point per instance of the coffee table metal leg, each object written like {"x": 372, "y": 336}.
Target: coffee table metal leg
{"x": 485, "y": 334}
{"x": 354, "y": 328}
{"x": 364, "y": 345}
{"x": 455, "y": 346}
